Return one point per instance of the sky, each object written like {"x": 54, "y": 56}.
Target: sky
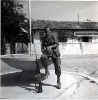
{"x": 63, "y": 10}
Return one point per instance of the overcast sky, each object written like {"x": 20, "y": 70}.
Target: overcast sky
{"x": 63, "y": 10}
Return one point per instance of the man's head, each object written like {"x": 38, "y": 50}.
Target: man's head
{"x": 44, "y": 34}
{"x": 47, "y": 29}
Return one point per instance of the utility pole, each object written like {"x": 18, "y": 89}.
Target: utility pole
{"x": 81, "y": 46}
{"x": 37, "y": 63}
{"x": 30, "y": 26}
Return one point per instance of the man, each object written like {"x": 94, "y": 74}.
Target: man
{"x": 50, "y": 50}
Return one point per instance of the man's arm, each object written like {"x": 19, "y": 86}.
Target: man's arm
{"x": 55, "y": 44}
{"x": 43, "y": 48}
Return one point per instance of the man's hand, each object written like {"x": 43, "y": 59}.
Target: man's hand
{"x": 49, "y": 48}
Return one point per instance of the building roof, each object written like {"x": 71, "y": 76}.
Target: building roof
{"x": 40, "y": 24}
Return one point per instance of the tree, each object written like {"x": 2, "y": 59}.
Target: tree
{"x": 10, "y": 23}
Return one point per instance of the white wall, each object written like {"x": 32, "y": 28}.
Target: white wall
{"x": 75, "y": 47}
{"x": 71, "y": 47}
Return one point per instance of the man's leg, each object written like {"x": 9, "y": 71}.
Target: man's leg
{"x": 44, "y": 60}
{"x": 57, "y": 63}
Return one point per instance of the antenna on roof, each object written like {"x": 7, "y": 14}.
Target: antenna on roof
{"x": 78, "y": 17}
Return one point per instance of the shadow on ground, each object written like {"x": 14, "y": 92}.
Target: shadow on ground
{"x": 25, "y": 79}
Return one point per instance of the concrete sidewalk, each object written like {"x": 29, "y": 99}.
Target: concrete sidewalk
{"x": 74, "y": 87}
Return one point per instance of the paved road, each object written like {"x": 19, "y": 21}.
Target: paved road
{"x": 83, "y": 63}
{"x": 74, "y": 87}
